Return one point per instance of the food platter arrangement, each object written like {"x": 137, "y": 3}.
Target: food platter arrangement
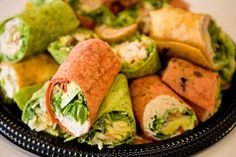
{"x": 115, "y": 78}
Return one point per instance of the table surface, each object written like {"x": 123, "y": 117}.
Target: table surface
{"x": 225, "y": 13}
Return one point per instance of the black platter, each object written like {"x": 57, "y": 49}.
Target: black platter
{"x": 186, "y": 144}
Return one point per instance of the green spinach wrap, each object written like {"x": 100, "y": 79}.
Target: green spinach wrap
{"x": 138, "y": 55}
{"x": 23, "y": 96}
{"x": 31, "y": 31}
{"x": 61, "y": 48}
{"x": 115, "y": 123}
{"x": 35, "y": 114}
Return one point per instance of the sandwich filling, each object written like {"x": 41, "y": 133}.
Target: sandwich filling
{"x": 35, "y": 114}
{"x": 8, "y": 82}
{"x": 224, "y": 52}
{"x": 166, "y": 117}
{"x": 11, "y": 39}
{"x": 69, "y": 106}
{"x": 134, "y": 51}
{"x": 111, "y": 129}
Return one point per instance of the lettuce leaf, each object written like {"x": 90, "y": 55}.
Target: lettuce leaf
{"x": 72, "y": 103}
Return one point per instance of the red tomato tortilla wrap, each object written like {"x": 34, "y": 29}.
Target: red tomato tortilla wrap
{"x": 78, "y": 88}
{"x": 160, "y": 112}
{"x": 199, "y": 86}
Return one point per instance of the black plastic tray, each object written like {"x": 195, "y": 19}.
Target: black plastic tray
{"x": 186, "y": 144}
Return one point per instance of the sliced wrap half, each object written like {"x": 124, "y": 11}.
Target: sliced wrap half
{"x": 32, "y": 70}
{"x": 24, "y": 95}
{"x": 144, "y": 9}
{"x": 199, "y": 86}
{"x": 35, "y": 114}
{"x": 109, "y": 26}
{"x": 138, "y": 55}
{"x": 195, "y": 37}
{"x": 61, "y": 48}
{"x": 115, "y": 122}
{"x": 160, "y": 112}
{"x": 78, "y": 88}
{"x": 31, "y": 31}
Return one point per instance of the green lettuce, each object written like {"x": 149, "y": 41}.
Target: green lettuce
{"x": 224, "y": 53}
{"x": 71, "y": 104}
{"x": 167, "y": 125}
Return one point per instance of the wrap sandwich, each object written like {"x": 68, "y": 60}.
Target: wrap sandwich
{"x": 116, "y": 27}
{"x": 199, "y": 86}
{"x": 35, "y": 114}
{"x": 115, "y": 123}
{"x": 144, "y": 9}
{"x": 138, "y": 55}
{"x": 31, "y": 31}
{"x": 31, "y": 70}
{"x": 78, "y": 88}
{"x": 160, "y": 113}
{"x": 61, "y": 48}
{"x": 109, "y": 26}
{"x": 195, "y": 37}
{"x": 24, "y": 95}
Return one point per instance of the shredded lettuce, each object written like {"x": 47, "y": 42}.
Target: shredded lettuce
{"x": 217, "y": 44}
{"x": 158, "y": 123}
{"x": 105, "y": 131}
{"x": 224, "y": 52}
{"x": 36, "y": 117}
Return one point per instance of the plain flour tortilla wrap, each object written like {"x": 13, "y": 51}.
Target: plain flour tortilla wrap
{"x": 32, "y": 70}
{"x": 90, "y": 70}
{"x": 194, "y": 37}
{"x": 160, "y": 112}
{"x": 197, "y": 85}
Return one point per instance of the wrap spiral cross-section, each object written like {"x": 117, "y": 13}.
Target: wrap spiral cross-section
{"x": 92, "y": 66}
